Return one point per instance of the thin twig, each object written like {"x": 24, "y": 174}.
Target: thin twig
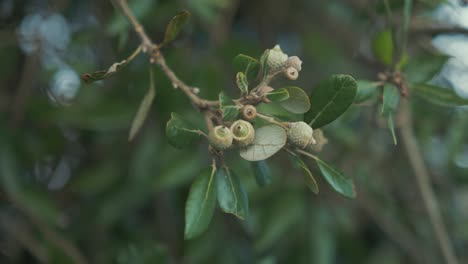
{"x": 21, "y": 233}
{"x": 424, "y": 184}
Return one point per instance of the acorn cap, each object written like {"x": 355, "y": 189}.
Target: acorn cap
{"x": 243, "y": 133}
{"x": 220, "y": 137}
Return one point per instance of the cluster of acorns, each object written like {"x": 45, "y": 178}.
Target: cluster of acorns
{"x": 241, "y": 133}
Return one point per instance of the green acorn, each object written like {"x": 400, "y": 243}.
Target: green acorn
{"x": 300, "y": 134}
{"x": 243, "y": 133}
{"x": 220, "y": 137}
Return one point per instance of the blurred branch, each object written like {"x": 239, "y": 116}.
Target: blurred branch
{"x": 24, "y": 90}
{"x": 50, "y": 234}
{"x": 20, "y": 232}
{"x": 393, "y": 229}
{"x": 157, "y": 57}
{"x": 423, "y": 181}
{"x": 59, "y": 241}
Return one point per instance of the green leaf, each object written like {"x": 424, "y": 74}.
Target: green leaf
{"x": 200, "y": 204}
{"x": 406, "y": 22}
{"x": 438, "y": 95}
{"x": 180, "y": 133}
{"x": 229, "y": 110}
{"x": 113, "y": 69}
{"x": 330, "y": 99}
{"x": 309, "y": 178}
{"x": 278, "y": 95}
{"x": 391, "y": 127}
{"x": 298, "y": 101}
{"x": 382, "y": 47}
{"x": 232, "y": 197}
{"x": 365, "y": 90}
{"x": 263, "y": 63}
{"x": 337, "y": 179}
{"x": 248, "y": 65}
{"x": 144, "y": 108}
{"x": 242, "y": 83}
{"x": 174, "y": 26}
{"x": 268, "y": 140}
{"x": 262, "y": 173}
{"x": 390, "y": 98}
{"x": 424, "y": 68}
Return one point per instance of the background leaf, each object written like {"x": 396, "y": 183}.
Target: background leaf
{"x": 144, "y": 108}
{"x": 174, "y": 26}
{"x": 382, "y": 47}
{"x": 180, "y": 133}
{"x": 330, "y": 99}
{"x": 438, "y": 95}
{"x": 390, "y": 99}
{"x": 200, "y": 204}
{"x": 337, "y": 179}
{"x": 248, "y": 65}
{"x": 262, "y": 172}
{"x": 268, "y": 140}
{"x": 232, "y": 197}
{"x": 298, "y": 101}
{"x": 309, "y": 178}
{"x": 365, "y": 90}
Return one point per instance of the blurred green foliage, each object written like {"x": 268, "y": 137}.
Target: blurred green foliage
{"x": 73, "y": 187}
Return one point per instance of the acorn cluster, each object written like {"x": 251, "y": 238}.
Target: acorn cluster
{"x": 241, "y": 133}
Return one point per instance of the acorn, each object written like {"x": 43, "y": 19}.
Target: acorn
{"x": 220, "y": 137}
{"x": 243, "y": 133}
{"x": 321, "y": 141}
{"x": 249, "y": 112}
{"x": 276, "y": 58}
{"x": 300, "y": 134}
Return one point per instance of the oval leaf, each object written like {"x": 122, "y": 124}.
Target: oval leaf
{"x": 298, "y": 101}
{"x": 365, "y": 90}
{"x": 143, "y": 109}
{"x": 175, "y": 26}
{"x": 262, "y": 173}
{"x": 242, "y": 83}
{"x": 330, "y": 99}
{"x": 232, "y": 197}
{"x": 438, "y": 95}
{"x": 200, "y": 204}
{"x": 180, "y": 133}
{"x": 229, "y": 110}
{"x": 336, "y": 179}
{"x": 382, "y": 47}
{"x": 390, "y": 99}
{"x": 268, "y": 140}
{"x": 278, "y": 95}
{"x": 246, "y": 64}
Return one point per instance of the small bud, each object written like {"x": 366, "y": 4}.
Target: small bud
{"x": 294, "y": 62}
{"x": 300, "y": 134}
{"x": 249, "y": 112}
{"x": 291, "y": 73}
{"x": 321, "y": 141}
{"x": 243, "y": 133}
{"x": 276, "y": 59}
{"x": 220, "y": 137}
